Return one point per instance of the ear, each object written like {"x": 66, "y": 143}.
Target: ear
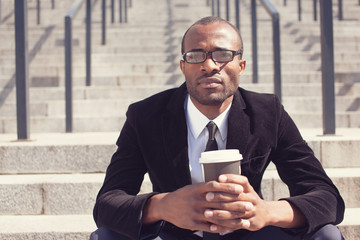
{"x": 182, "y": 66}
{"x": 242, "y": 65}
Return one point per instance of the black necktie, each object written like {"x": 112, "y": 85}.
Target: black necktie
{"x": 211, "y": 145}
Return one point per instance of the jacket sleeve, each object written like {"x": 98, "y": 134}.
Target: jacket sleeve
{"x": 311, "y": 190}
{"x": 119, "y": 206}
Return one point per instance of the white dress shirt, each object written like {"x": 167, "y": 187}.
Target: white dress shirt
{"x": 198, "y": 136}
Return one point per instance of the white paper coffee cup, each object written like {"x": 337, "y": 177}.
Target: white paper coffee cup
{"x": 215, "y": 163}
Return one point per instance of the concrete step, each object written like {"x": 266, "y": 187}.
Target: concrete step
{"x": 115, "y": 123}
{"x": 91, "y": 152}
{"x": 53, "y": 194}
{"x": 79, "y": 227}
{"x": 45, "y": 227}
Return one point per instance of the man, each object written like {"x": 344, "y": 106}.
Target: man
{"x": 165, "y": 134}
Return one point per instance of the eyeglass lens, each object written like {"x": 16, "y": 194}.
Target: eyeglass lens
{"x": 217, "y": 56}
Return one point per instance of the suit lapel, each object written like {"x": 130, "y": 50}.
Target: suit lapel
{"x": 238, "y": 125}
{"x": 175, "y": 137}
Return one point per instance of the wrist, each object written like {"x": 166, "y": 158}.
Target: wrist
{"x": 152, "y": 211}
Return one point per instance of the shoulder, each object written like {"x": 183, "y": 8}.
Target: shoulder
{"x": 157, "y": 104}
{"x": 259, "y": 100}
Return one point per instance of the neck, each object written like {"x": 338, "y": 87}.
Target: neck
{"x": 212, "y": 111}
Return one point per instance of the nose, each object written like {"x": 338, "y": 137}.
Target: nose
{"x": 209, "y": 65}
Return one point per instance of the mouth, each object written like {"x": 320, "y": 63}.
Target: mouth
{"x": 210, "y": 82}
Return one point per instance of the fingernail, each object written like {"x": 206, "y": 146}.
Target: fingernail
{"x": 208, "y": 213}
{"x": 249, "y": 206}
{"x": 238, "y": 189}
{"x": 222, "y": 178}
{"x": 245, "y": 223}
{"x": 213, "y": 228}
{"x": 210, "y": 196}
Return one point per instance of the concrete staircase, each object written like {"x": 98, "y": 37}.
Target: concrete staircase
{"x": 49, "y": 184}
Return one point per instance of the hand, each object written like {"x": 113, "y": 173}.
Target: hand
{"x": 186, "y": 206}
{"x": 247, "y": 210}
{"x": 230, "y": 212}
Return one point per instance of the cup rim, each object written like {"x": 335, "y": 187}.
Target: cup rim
{"x": 217, "y": 156}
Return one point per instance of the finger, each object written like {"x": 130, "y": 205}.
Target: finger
{"x": 214, "y": 186}
{"x": 237, "y": 179}
{"x": 230, "y": 225}
{"x": 219, "y": 215}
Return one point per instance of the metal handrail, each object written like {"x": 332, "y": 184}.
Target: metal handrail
{"x": 340, "y": 9}
{"x": 276, "y": 45}
{"x": 68, "y": 62}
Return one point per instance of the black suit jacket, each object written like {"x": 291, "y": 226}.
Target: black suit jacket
{"x": 154, "y": 140}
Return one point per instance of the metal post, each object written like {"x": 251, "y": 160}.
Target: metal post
{"x": 68, "y": 74}
{"x": 299, "y": 10}
{"x": 327, "y": 66}
{"x": 227, "y": 11}
{"x": 277, "y": 55}
{"x": 88, "y": 42}
{"x": 254, "y": 41}
{"x": 284, "y": 2}
{"x": 212, "y": 7}
{"x": 218, "y": 7}
{"x": 38, "y": 11}
{"x": 340, "y": 10}
{"x": 120, "y": 11}
{"x": 22, "y": 85}
{"x": 315, "y": 9}
{"x": 112, "y": 11}
{"x": 0, "y": 12}
{"x": 52, "y": 4}
{"x": 103, "y": 25}
{"x": 125, "y": 11}
{"x": 237, "y": 14}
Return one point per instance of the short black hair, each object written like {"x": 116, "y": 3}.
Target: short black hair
{"x": 210, "y": 20}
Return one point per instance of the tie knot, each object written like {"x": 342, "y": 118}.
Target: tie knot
{"x": 211, "y": 126}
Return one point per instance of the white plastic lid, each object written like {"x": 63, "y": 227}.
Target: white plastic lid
{"x": 226, "y": 155}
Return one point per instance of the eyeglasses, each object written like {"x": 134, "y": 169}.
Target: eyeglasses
{"x": 220, "y": 56}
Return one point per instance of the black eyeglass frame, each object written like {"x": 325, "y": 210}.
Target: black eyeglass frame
{"x": 234, "y": 53}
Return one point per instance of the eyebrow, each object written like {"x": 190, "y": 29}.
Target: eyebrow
{"x": 202, "y": 50}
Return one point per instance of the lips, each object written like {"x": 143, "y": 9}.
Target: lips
{"x": 210, "y": 82}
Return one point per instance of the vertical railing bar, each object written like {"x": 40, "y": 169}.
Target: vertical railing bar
{"x": 68, "y": 64}
{"x": 120, "y": 11}
{"x": 218, "y": 7}
{"x": 38, "y": 11}
{"x": 284, "y": 2}
{"x": 315, "y": 9}
{"x": 237, "y": 14}
{"x": 212, "y": 7}
{"x": 0, "y": 13}
{"x": 276, "y": 46}
{"x": 103, "y": 23}
{"x": 340, "y": 6}
{"x": 68, "y": 74}
{"x": 52, "y": 4}
{"x": 254, "y": 41}
{"x": 327, "y": 66}
{"x": 88, "y": 42}
{"x": 22, "y": 86}
{"x": 208, "y": 3}
{"x": 299, "y": 10}
{"x": 227, "y": 11}
{"x": 126, "y": 11}
{"x": 112, "y": 11}
{"x": 277, "y": 55}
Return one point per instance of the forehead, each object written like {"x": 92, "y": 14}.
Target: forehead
{"x": 212, "y": 36}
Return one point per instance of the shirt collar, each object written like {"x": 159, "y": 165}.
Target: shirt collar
{"x": 198, "y": 121}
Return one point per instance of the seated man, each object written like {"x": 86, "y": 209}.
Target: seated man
{"x": 165, "y": 134}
